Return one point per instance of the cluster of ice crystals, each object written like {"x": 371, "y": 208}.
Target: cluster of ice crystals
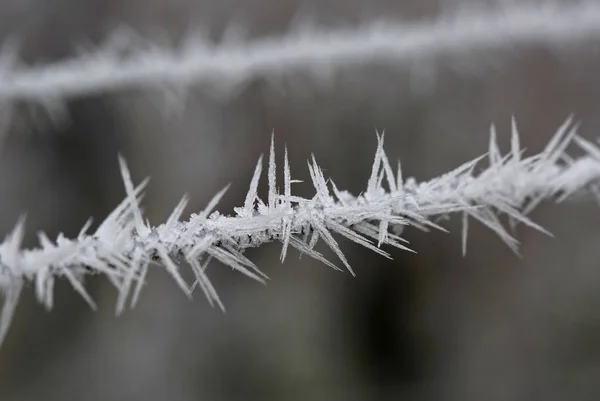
{"x": 124, "y": 246}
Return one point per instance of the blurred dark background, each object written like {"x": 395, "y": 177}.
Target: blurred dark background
{"x": 430, "y": 326}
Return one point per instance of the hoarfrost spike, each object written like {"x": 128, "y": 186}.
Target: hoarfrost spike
{"x": 253, "y": 190}
{"x": 272, "y": 176}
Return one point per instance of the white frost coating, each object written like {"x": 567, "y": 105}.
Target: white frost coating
{"x": 124, "y": 245}
{"x": 228, "y": 65}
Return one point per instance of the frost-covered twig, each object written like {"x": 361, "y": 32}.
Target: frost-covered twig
{"x": 124, "y": 245}
{"x": 229, "y": 64}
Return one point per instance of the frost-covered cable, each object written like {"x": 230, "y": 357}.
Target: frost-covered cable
{"x": 125, "y": 245}
{"x": 319, "y": 52}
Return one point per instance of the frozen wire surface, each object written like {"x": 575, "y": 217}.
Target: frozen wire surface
{"x": 124, "y": 245}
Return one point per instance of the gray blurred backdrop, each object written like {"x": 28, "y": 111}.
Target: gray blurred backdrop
{"x": 430, "y": 326}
